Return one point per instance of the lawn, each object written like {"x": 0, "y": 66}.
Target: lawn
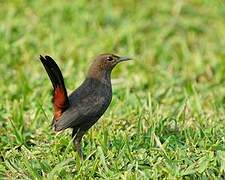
{"x": 167, "y": 116}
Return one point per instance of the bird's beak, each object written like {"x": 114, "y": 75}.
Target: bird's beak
{"x": 124, "y": 58}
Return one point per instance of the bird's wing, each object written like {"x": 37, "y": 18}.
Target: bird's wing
{"x": 90, "y": 108}
{"x": 60, "y": 98}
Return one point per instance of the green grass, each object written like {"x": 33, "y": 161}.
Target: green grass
{"x": 167, "y": 117}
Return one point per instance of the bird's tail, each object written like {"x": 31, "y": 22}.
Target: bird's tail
{"x": 60, "y": 97}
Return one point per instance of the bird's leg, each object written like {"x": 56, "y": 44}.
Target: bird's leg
{"x": 74, "y": 132}
{"x": 77, "y": 142}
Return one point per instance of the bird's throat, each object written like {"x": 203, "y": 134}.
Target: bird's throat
{"x": 103, "y": 76}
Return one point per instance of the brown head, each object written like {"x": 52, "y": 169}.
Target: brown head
{"x": 103, "y": 65}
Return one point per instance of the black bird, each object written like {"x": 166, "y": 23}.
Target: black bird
{"x": 84, "y": 106}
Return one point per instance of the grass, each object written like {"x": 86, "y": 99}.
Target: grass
{"x": 167, "y": 117}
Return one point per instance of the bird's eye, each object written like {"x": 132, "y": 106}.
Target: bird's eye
{"x": 109, "y": 58}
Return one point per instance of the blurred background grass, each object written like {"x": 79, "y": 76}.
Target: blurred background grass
{"x": 167, "y": 117}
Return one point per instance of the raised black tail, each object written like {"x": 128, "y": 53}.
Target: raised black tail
{"x": 60, "y": 97}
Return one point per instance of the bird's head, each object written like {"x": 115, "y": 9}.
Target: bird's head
{"x": 105, "y": 63}
{"x": 109, "y": 61}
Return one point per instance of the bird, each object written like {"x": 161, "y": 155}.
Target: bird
{"x": 85, "y": 105}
